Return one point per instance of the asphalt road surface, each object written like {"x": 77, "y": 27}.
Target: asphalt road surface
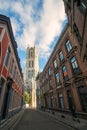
{"x": 37, "y": 120}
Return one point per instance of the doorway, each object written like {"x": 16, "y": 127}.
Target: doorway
{"x": 71, "y": 103}
{"x": 6, "y": 102}
{"x": 83, "y": 97}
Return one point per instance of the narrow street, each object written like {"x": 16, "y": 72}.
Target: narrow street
{"x": 43, "y": 64}
{"x": 37, "y": 120}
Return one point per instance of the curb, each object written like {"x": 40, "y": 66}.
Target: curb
{"x": 9, "y": 123}
{"x": 16, "y": 121}
{"x": 57, "y": 120}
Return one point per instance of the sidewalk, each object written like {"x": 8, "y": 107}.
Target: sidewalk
{"x": 11, "y": 121}
{"x": 77, "y": 123}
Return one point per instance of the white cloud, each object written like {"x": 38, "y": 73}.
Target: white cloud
{"x": 15, "y": 25}
{"x": 52, "y": 17}
{"x": 44, "y": 30}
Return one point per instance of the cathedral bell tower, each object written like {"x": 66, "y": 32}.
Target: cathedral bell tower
{"x": 30, "y": 74}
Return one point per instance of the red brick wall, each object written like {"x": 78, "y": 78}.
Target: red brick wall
{"x": 4, "y": 45}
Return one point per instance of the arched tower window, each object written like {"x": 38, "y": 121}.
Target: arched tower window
{"x": 32, "y": 53}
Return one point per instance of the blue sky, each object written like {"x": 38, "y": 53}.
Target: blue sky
{"x": 35, "y": 23}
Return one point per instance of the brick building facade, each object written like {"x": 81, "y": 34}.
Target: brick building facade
{"x": 76, "y": 11}
{"x": 11, "y": 81}
{"x": 63, "y": 82}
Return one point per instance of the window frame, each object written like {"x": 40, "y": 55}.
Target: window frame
{"x": 49, "y": 71}
{"x": 32, "y": 64}
{"x": 57, "y": 78}
{"x": 61, "y": 57}
{"x": 55, "y": 64}
{"x": 29, "y": 73}
{"x": 69, "y": 44}
{"x": 65, "y": 77}
{"x": 7, "y": 57}
{"x": 74, "y": 63}
{"x": 12, "y": 66}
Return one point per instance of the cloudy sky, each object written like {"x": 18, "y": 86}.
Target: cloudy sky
{"x": 35, "y": 22}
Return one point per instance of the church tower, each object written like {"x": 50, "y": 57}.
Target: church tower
{"x": 30, "y": 73}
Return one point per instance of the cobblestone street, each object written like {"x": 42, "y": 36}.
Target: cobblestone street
{"x": 36, "y": 120}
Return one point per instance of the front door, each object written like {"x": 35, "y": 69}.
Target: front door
{"x": 70, "y": 100}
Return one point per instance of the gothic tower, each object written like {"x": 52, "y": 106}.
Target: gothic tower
{"x": 30, "y": 73}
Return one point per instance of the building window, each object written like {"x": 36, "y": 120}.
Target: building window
{"x": 74, "y": 65}
{"x": 49, "y": 71}
{"x": 83, "y": 5}
{"x": 32, "y": 63}
{"x": 65, "y": 74}
{"x": 61, "y": 101}
{"x": 32, "y": 73}
{"x": 57, "y": 78}
{"x": 61, "y": 56}
{"x": 11, "y": 70}
{"x": 55, "y": 64}
{"x": 7, "y": 57}
{"x": 68, "y": 3}
{"x": 31, "y": 53}
{"x": 68, "y": 46}
{"x": 29, "y": 74}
